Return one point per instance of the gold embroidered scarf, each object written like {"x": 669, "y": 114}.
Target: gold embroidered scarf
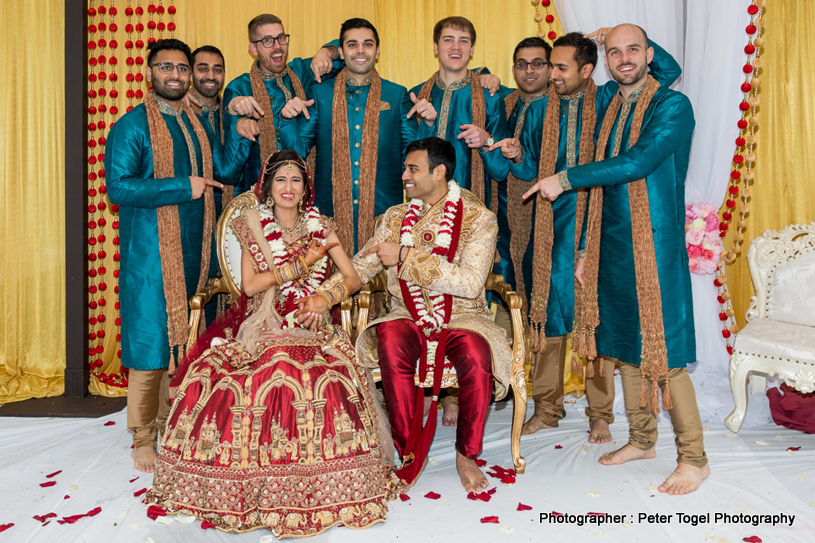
{"x": 544, "y": 220}
{"x": 169, "y": 227}
{"x": 654, "y": 353}
{"x": 228, "y": 190}
{"x": 268, "y": 134}
{"x": 341, "y": 177}
{"x": 479, "y": 108}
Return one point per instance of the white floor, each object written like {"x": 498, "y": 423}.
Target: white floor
{"x": 753, "y": 473}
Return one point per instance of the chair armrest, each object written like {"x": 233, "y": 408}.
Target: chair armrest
{"x": 346, "y": 310}
{"x": 215, "y": 285}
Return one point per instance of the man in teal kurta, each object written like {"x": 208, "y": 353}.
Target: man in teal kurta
{"x": 660, "y": 156}
{"x": 449, "y": 110}
{"x": 133, "y": 186}
{"x": 282, "y": 84}
{"x": 208, "y": 72}
{"x": 573, "y": 60}
{"x": 368, "y": 165}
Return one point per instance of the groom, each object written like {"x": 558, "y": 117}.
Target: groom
{"x": 438, "y": 251}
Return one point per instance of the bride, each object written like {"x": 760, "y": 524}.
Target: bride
{"x": 275, "y": 426}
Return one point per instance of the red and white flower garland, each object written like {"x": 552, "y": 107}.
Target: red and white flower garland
{"x": 431, "y": 318}
{"x": 294, "y": 290}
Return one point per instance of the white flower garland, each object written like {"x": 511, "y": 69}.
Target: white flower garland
{"x": 431, "y": 318}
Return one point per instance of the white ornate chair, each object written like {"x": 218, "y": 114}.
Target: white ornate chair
{"x": 229, "y": 261}
{"x": 497, "y": 284}
{"x": 779, "y": 338}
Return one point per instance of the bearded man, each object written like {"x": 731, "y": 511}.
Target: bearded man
{"x": 161, "y": 162}
{"x": 637, "y": 305}
{"x": 271, "y": 84}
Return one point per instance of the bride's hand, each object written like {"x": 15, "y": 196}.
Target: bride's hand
{"x": 316, "y": 251}
{"x": 310, "y": 311}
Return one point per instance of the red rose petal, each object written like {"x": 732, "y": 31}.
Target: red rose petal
{"x": 752, "y": 539}
{"x": 71, "y": 519}
{"x": 484, "y": 496}
{"x": 139, "y": 492}
{"x": 491, "y": 491}
{"x": 4, "y": 527}
{"x": 789, "y": 449}
{"x": 49, "y": 483}
{"x": 110, "y": 423}
{"x": 404, "y": 497}
{"x": 66, "y": 497}
{"x": 508, "y": 480}
{"x": 492, "y": 519}
{"x": 53, "y": 474}
{"x": 93, "y": 512}
{"x": 558, "y": 446}
{"x": 133, "y": 479}
{"x": 154, "y": 511}
{"x": 44, "y": 524}
{"x": 522, "y": 507}
{"x": 472, "y": 496}
{"x": 556, "y": 514}
{"x": 596, "y": 514}
{"x": 206, "y": 524}
{"x": 432, "y": 495}
{"x": 480, "y": 463}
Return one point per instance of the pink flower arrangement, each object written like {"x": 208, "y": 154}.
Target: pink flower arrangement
{"x": 702, "y": 238}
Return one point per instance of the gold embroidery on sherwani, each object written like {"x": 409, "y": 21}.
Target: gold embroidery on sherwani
{"x": 424, "y": 270}
{"x": 470, "y": 312}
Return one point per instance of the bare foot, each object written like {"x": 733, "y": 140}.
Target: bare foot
{"x": 472, "y": 477}
{"x": 599, "y": 431}
{"x": 449, "y": 416}
{"x": 684, "y": 479}
{"x": 533, "y": 425}
{"x": 427, "y": 401}
{"x": 144, "y": 458}
{"x": 624, "y": 454}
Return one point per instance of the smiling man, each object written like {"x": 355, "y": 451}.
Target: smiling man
{"x": 641, "y": 308}
{"x": 208, "y": 75}
{"x": 358, "y": 123}
{"x": 271, "y": 84}
{"x": 546, "y": 253}
{"x": 161, "y": 163}
{"x": 452, "y": 105}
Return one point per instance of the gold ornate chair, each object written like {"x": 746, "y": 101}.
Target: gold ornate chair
{"x": 228, "y": 280}
{"x": 494, "y": 283}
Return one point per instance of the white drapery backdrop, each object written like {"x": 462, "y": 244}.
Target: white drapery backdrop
{"x": 707, "y": 38}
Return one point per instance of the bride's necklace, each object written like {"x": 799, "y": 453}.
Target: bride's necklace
{"x": 289, "y": 231}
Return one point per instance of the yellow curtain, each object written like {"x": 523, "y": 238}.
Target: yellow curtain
{"x": 784, "y": 160}
{"x": 32, "y": 268}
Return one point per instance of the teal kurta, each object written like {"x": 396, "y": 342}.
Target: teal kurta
{"x": 395, "y": 133}
{"x": 280, "y": 91}
{"x": 131, "y": 185}
{"x": 212, "y": 118}
{"x": 661, "y": 156}
{"x": 454, "y": 108}
{"x": 560, "y": 307}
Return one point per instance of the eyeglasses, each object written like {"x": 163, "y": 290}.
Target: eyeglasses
{"x": 268, "y": 41}
{"x": 168, "y": 67}
{"x": 536, "y": 64}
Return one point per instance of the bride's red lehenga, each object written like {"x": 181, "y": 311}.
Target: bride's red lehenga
{"x": 276, "y": 427}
